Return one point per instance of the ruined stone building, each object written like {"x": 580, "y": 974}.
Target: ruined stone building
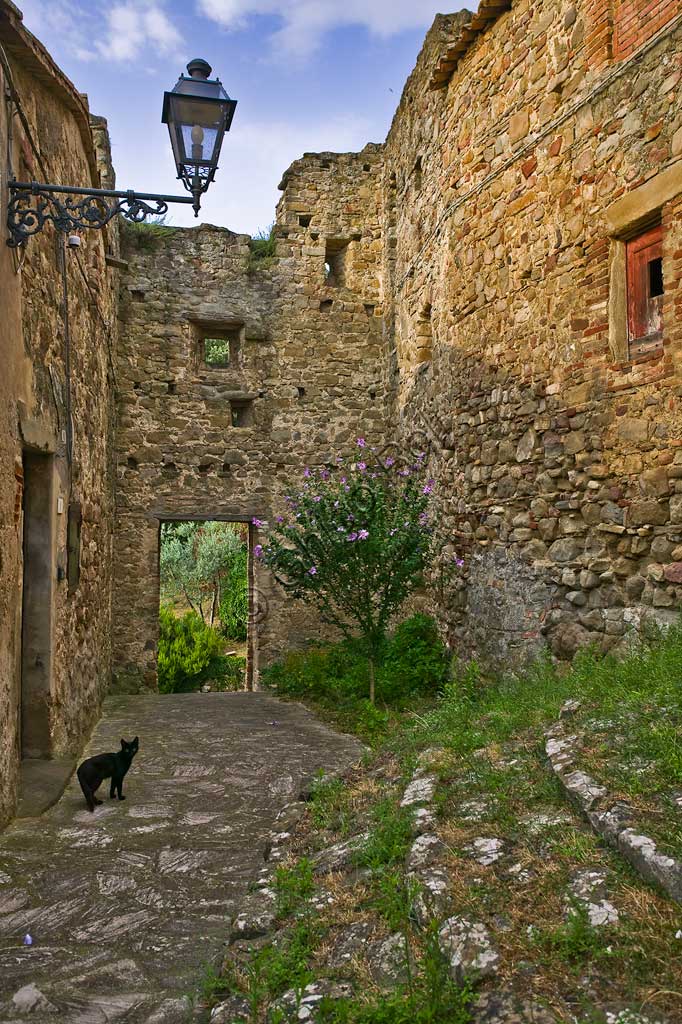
{"x": 497, "y": 284}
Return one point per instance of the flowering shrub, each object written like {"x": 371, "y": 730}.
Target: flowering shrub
{"x": 355, "y": 542}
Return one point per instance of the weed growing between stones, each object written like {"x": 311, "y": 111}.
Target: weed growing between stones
{"x": 293, "y": 887}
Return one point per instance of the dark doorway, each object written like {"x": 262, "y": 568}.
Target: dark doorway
{"x": 36, "y": 623}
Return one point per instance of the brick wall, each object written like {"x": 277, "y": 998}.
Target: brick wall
{"x": 635, "y": 21}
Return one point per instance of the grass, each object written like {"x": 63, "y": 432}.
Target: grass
{"x": 293, "y": 887}
{"x": 490, "y": 732}
{"x": 147, "y": 233}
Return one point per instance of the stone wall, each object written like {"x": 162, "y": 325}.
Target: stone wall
{"x": 303, "y": 381}
{"x": 67, "y": 651}
{"x": 520, "y": 158}
{"x": 475, "y": 305}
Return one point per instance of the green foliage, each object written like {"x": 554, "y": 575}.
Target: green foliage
{"x": 186, "y": 647}
{"x": 293, "y": 887}
{"x": 575, "y": 940}
{"x": 147, "y": 234}
{"x": 415, "y": 660}
{"x": 234, "y": 601}
{"x": 423, "y": 1002}
{"x": 263, "y": 249}
{"x": 329, "y": 805}
{"x": 275, "y": 968}
{"x": 337, "y": 675}
{"x": 390, "y": 838}
{"x": 201, "y": 563}
{"x": 216, "y": 351}
{"x": 224, "y": 673}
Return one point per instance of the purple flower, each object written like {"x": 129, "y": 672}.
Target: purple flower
{"x": 257, "y": 522}
{"x": 421, "y": 456}
{"x": 361, "y": 442}
{"x": 352, "y": 536}
{"x": 279, "y": 519}
{"x": 344, "y": 479}
{"x": 389, "y": 461}
{"x": 403, "y": 472}
{"x": 306, "y": 471}
{"x": 459, "y": 562}
{"x": 363, "y": 535}
{"x": 324, "y": 474}
{"x": 258, "y": 550}
{"x": 427, "y": 489}
{"x": 318, "y": 497}
{"x": 362, "y": 466}
{"x": 312, "y": 571}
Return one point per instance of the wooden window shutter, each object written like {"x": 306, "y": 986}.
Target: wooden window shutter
{"x": 644, "y": 258}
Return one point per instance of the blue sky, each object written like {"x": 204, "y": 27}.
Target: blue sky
{"x": 308, "y": 75}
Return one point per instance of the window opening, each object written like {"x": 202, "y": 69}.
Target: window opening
{"x": 219, "y": 349}
{"x": 645, "y": 287}
{"x": 242, "y": 414}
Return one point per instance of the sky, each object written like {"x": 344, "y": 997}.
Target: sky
{"x": 308, "y": 75}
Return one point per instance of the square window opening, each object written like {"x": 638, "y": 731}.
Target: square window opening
{"x": 241, "y": 414}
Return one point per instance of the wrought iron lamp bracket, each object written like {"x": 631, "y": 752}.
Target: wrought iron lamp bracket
{"x": 31, "y": 205}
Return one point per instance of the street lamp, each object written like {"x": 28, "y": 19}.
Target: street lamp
{"x": 198, "y": 112}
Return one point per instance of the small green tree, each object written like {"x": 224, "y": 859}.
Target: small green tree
{"x": 197, "y": 561}
{"x": 356, "y": 542}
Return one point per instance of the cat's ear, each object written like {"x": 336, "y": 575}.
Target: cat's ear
{"x": 123, "y": 744}
{"x": 136, "y": 742}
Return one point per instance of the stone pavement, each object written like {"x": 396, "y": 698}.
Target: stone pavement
{"x": 126, "y": 906}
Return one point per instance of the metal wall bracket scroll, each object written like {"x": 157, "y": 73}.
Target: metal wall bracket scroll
{"x": 31, "y": 205}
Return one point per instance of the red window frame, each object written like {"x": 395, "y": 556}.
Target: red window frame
{"x": 645, "y": 310}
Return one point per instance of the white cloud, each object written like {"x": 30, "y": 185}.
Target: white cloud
{"x": 127, "y": 28}
{"x": 303, "y": 23}
{"x": 134, "y": 27}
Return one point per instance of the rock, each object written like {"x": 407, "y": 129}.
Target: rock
{"x": 295, "y": 1005}
{"x": 256, "y": 917}
{"x": 642, "y": 513}
{"x": 570, "y": 708}
{"x": 568, "y": 638}
{"x": 526, "y": 446}
{"x": 473, "y": 810}
{"x": 425, "y": 852}
{"x": 420, "y": 791}
{"x": 424, "y": 821}
{"x": 673, "y": 572}
{"x": 564, "y": 550}
{"x": 468, "y": 948}
{"x": 487, "y": 850}
{"x": 501, "y": 1007}
{"x": 350, "y": 944}
{"x": 588, "y": 889}
{"x": 641, "y": 851}
{"x": 338, "y": 856}
{"x": 388, "y": 961}
{"x": 30, "y": 1000}
{"x": 432, "y": 900}
{"x": 231, "y": 1010}
{"x": 584, "y": 790}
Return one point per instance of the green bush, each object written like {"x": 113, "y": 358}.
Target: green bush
{"x": 414, "y": 663}
{"x": 186, "y": 647}
{"x": 234, "y": 602}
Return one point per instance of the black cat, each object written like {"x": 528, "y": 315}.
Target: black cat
{"x": 92, "y": 772}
